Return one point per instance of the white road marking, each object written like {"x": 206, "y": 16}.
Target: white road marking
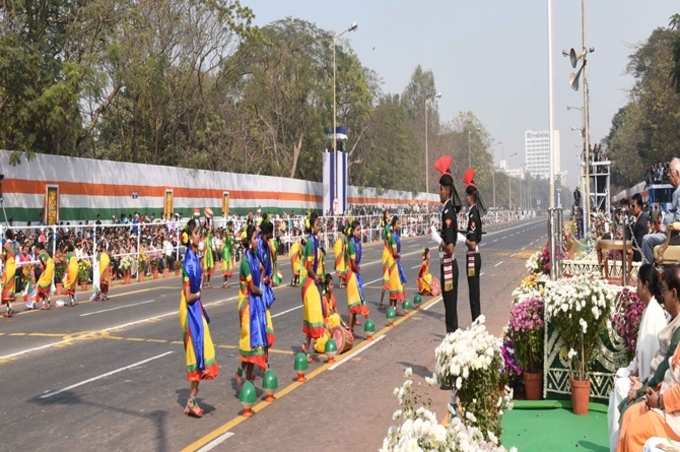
{"x": 498, "y": 263}
{"x": 117, "y": 308}
{"x": 286, "y": 311}
{"x": 216, "y": 442}
{"x": 352, "y": 355}
{"x": 107, "y": 374}
{"x": 427, "y": 308}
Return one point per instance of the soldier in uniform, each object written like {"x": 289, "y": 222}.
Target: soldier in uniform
{"x": 473, "y": 236}
{"x": 447, "y": 242}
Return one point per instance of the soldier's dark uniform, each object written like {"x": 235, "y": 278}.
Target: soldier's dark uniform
{"x": 449, "y": 267}
{"x": 473, "y": 261}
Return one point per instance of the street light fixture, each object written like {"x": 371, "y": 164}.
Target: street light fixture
{"x": 570, "y": 107}
{"x": 351, "y": 28}
{"x": 427, "y": 148}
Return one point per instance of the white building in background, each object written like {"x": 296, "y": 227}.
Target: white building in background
{"x": 537, "y": 152}
{"x": 512, "y": 172}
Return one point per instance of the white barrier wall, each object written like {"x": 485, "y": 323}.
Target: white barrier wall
{"x": 88, "y": 187}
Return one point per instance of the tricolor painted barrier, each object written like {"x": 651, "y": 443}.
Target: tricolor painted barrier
{"x": 71, "y": 188}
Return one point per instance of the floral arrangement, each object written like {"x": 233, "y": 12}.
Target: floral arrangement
{"x": 579, "y": 308}
{"x": 470, "y": 361}
{"x": 526, "y": 329}
{"x": 126, "y": 263}
{"x": 531, "y": 286}
{"x": 626, "y": 319}
{"x": 84, "y": 270}
{"x": 512, "y": 367}
{"x": 419, "y": 430}
{"x": 539, "y": 262}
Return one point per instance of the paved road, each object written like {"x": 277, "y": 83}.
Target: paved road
{"x": 110, "y": 375}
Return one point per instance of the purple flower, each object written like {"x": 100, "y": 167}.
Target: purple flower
{"x": 626, "y": 320}
{"x": 510, "y": 361}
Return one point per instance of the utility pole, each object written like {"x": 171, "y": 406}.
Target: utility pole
{"x": 586, "y": 119}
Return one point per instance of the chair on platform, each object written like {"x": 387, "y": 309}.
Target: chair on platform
{"x": 603, "y": 249}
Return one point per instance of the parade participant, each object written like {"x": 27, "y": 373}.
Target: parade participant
{"x": 277, "y": 277}
{"x": 71, "y": 275}
{"x": 313, "y": 326}
{"x": 356, "y": 298}
{"x": 28, "y": 275}
{"x": 228, "y": 253}
{"x": 447, "y": 241}
{"x": 340, "y": 252}
{"x": 105, "y": 275}
{"x": 264, "y": 255}
{"x": 208, "y": 253}
{"x": 44, "y": 284}
{"x": 427, "y": 285}
{"x": 653, "y": 321}
{"x": 198, "y": 345}
{"x": 8, "y": 273}
{"x": 330, "y": 304}
{"x": 296, "y": 264}
{"x": 473, "y": 235}
{"x": 386, "y": 233}
{"x": 396, "y": 273}
{"x": 254, "y": 341}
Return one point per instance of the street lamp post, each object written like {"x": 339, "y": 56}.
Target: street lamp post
{"x": 510, "y": 181}
{"x": 427, "y": 148}
{"x": 352, "y": 27}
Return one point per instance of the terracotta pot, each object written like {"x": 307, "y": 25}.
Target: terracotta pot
{"x": 84, "y": 286}
{"x": 60, "y": 288}
{"x": 532, "y": 385}
{"x": 154, "y": 273}
{"x": 177, "y": 272}
{"x": 126, "y": 278}
{"x": 580, "y": 394}
{"x": 166, "y": 272}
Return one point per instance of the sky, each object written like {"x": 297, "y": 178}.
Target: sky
{"x": 491, "y": 57}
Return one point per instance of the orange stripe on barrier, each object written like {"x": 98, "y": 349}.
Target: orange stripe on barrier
{"x": 91, "y": 189}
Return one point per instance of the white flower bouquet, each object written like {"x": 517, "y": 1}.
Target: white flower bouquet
{"x": 419, "y": 430}
{"x": 470, "y": 361}
{"x": 579, "y": 308}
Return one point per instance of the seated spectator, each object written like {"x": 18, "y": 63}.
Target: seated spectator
{"x": 651, "y": 240}
{"x": 652, "y": 322}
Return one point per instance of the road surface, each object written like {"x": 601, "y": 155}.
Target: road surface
{"x": 110, "y": 376}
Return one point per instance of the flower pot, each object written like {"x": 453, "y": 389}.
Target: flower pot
{"x": 60, "y": 288}
{"x": 580, "y": 394}
{"x": 154, "y": 272}
{"x": 166, "y": 272}
{"x": 532, "y": 385}
{"x": 126, "y": 278}
{"x": 84, "y": 286}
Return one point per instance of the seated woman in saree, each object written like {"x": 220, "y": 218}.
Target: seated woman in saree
{"x": 199, "y": 351}
{"x": 669, "y": 338}
{"x": 658, "y": 414}
{"x": 651, "y": 324}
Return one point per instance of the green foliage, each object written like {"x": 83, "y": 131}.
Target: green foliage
{"x": 193, "y": 83}
{"x": 646, "y": 130}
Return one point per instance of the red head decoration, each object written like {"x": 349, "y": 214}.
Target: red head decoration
{"x": 468, "y": 177}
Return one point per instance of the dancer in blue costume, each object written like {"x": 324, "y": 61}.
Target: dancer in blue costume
{"x": 199, "y": 350}
{"x": 254, "y": 341}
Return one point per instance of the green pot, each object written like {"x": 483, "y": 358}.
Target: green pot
{"x": 301, "y": 363}
{"x": 248, "y": 395}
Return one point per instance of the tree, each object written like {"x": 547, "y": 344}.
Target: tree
{"x": 646, "y": 130}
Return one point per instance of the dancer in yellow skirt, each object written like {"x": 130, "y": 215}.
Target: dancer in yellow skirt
{"x": 396, "y": 274}
{"x": 44, "y": 284}
{"x": 340, "y": 252}
{"x": 9, "y": 270}
{"x": 228, "y": 253}
{"x": 199, "y": 350}
{"x": 296, "y": 264}
{"x": 386, "y": 233}
{"x": 426, "y": 284}
{"x": 356, "y": 298}
{"x": 313, "y": 325}
{"x": 71, "y": 275}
